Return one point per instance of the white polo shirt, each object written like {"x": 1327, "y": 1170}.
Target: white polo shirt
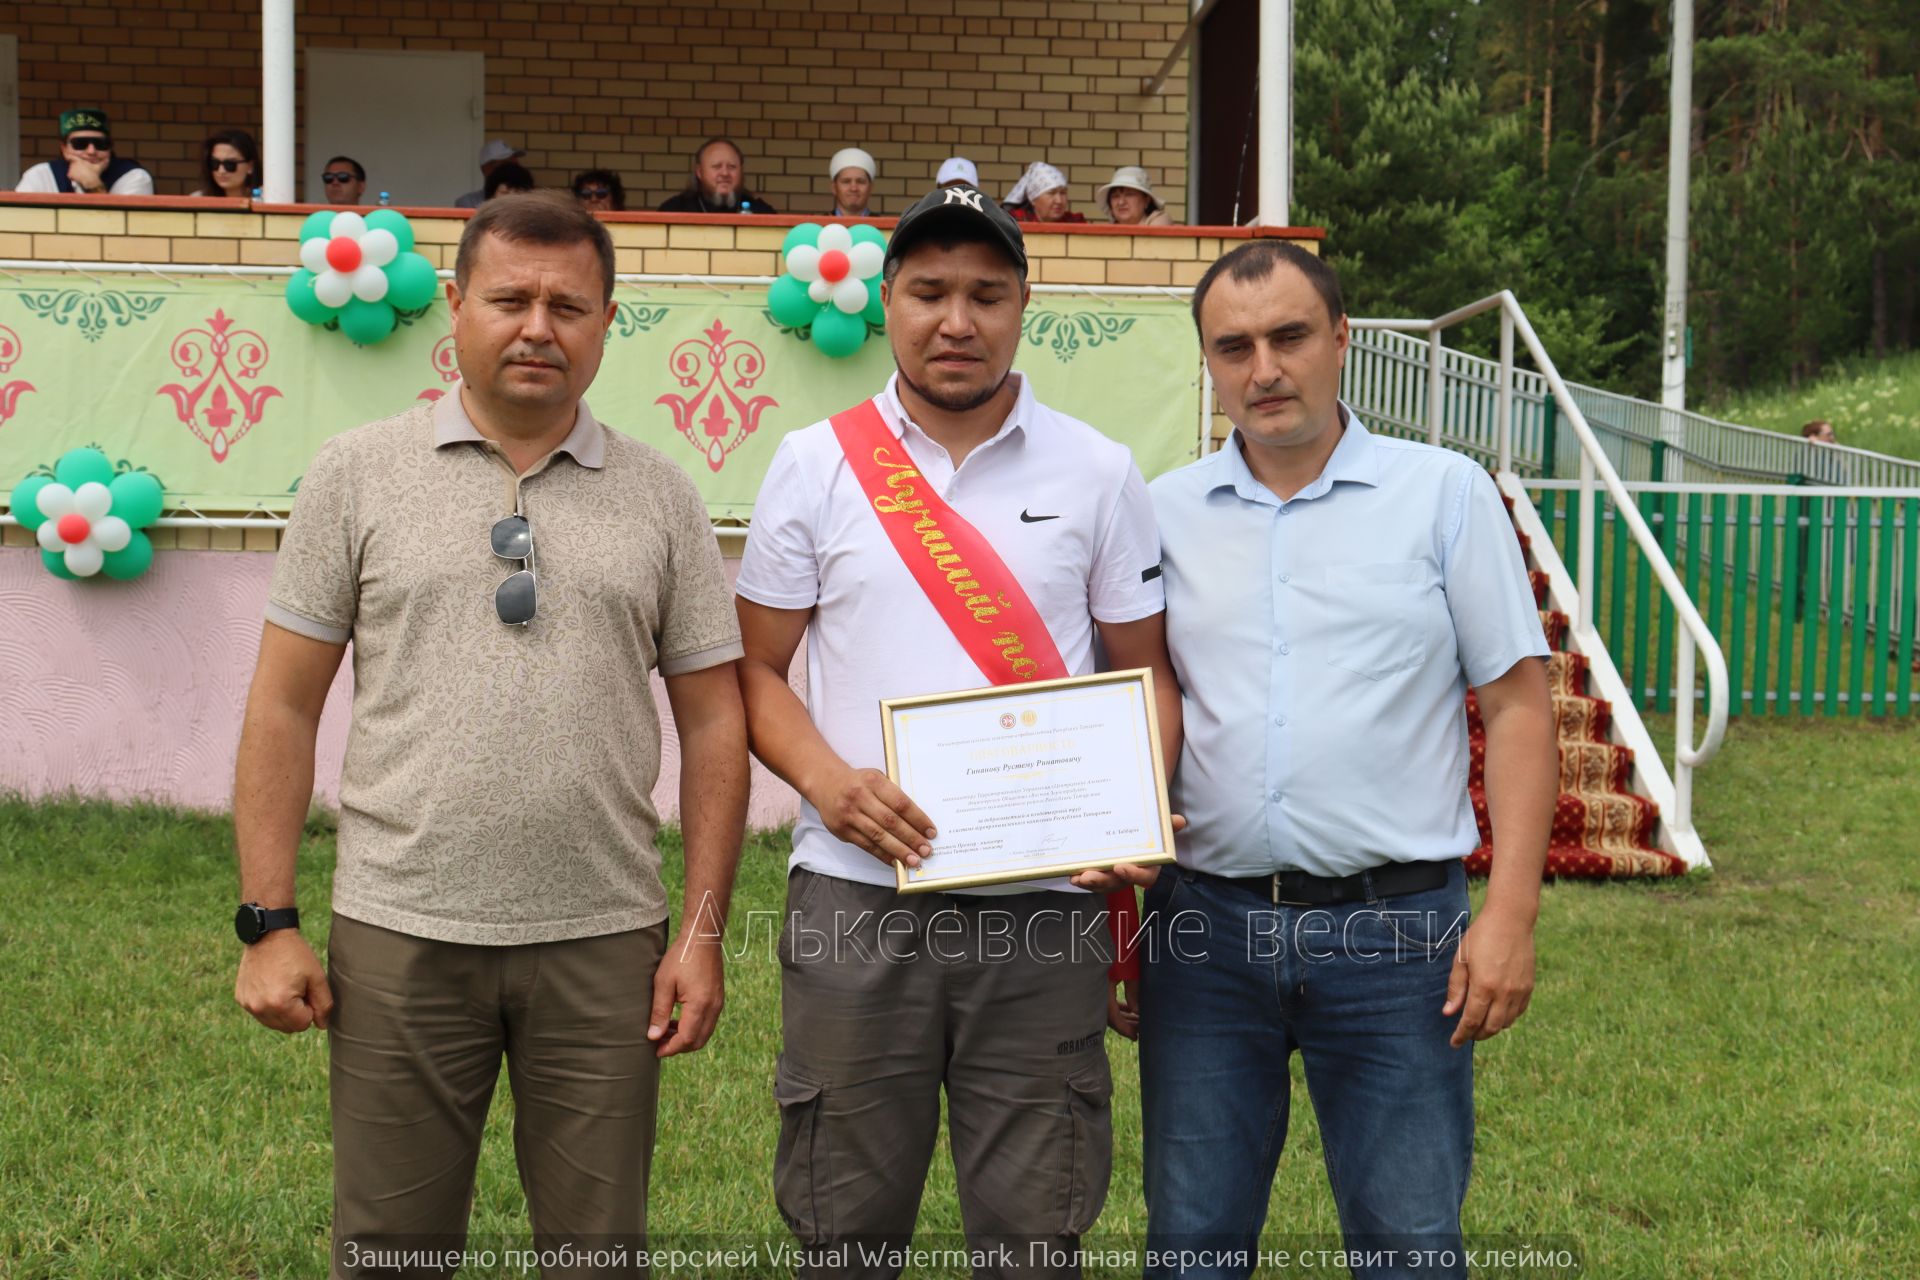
{"x": 1063, "y": 506}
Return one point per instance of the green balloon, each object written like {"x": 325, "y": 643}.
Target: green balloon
{"x": 862, "y": 232}
{"x": 319, "y": 223}
{"x": 83, "y": 466}
{"x": 301, "y": 300}
{"x": 411, "y": 281}
{"x": 788, "y": 301}
{"x": 56, "y": 562}
{"x": 25, "y": 502}
{"x": 137, "y": 498}
{"x": 129, "y": 561}
{"x": 838, "y": 334}
{"x": 807, "y": 233}
{"x": 874, "y": 312}
{"x": 366, "y": 322}
{"x": 395, "y": 221}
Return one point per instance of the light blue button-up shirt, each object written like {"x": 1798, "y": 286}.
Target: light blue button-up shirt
{"x": 1325, "y": 645}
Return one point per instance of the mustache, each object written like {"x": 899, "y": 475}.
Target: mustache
{"x": 545, "y": 355}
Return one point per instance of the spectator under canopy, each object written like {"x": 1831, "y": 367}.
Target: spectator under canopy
{"x": 230, "y": 165}
{"x": 1041, "y": 196}
{"x": 600, "y": 190}
{"x": 1130, "y": 201}
{"x": 87, "y": 162}
{"x": 852, "y": 172}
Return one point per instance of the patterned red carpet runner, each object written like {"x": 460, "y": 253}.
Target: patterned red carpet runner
{"x": 1601, "y": 829}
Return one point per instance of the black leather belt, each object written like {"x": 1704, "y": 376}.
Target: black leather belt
{"x": 1301, "y": 889}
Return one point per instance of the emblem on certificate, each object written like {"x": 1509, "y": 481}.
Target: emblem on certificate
{"x": 1032, "y": 781}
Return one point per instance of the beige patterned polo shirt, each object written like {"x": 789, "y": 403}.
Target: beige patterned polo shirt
{"x": 498, "y": 779}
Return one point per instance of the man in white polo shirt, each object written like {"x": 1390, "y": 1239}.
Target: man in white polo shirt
{"x": 1331, "y": 595}
{"x": 876, "y": 1026}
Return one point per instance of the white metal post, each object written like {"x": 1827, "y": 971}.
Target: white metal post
{"x": 1583, "y": 569}
{"x": 1503, "y": 404}
{"x": 276, "y": 92}
{"x": 1673, "y": 365}
{"x": 1683, "y": 737}
{"x": 1276, "y": 112}
{"x": 1433, "y": 385}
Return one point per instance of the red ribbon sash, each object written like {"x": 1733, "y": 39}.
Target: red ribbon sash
{"x": 969, "y": 586}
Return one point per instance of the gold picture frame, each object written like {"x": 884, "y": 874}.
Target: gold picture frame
{"x": 1027, "y": 717}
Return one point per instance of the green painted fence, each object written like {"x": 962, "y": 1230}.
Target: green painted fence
{"x": 1810, "y": 591}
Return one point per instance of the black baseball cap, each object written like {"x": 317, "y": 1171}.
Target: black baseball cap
{"x": 947, "y": 208}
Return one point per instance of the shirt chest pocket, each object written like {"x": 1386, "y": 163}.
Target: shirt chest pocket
{"x": 1380, "y": 617}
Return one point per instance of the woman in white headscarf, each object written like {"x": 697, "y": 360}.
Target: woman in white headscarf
{"x": 1041, "y": 196}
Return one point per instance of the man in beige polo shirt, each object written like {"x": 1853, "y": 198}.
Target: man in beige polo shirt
{"x": 509, "y": 572}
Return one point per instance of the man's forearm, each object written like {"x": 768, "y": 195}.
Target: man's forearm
{"x": 1523, "y": 783}
{"x": 713, "y": 813}
{"x": 272, "y": 791}
{"x": 781, "y": 732}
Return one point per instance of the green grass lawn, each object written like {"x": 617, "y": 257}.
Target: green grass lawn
{"x": 1717, "y": 1077}
{"x": 1872, "y": 404}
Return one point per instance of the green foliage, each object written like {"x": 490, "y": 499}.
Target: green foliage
{"x": 1453, "y": 150}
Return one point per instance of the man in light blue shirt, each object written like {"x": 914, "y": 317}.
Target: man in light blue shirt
{"x": 1331, "y": 596}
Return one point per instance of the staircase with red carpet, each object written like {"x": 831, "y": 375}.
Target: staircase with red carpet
{"x": 1605, "y": 826}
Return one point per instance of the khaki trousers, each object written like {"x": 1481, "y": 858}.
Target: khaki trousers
{"x": 418, "y": 1031}
{"x": 885, "y": 999}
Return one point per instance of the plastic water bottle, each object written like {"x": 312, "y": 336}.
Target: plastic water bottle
{"x": 385, "y": 199}
{"x": 746, "y": 206}
{"x": 256, "y": 193}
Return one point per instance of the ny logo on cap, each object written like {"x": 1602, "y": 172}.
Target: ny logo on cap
{"x": 962, "y": 195}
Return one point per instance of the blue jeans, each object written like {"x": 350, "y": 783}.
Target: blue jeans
{"x": 1231, "y": 986}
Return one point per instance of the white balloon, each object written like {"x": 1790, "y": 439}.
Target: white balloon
{"x": 850, "y": 296}
{"x": 819, "y": 291}
{"x": 835, "y": 236}
{"x": 804, "y": 261}
{"x": 313, "y": 254}
{"x": 867, "y": 258}
{"x": 50, "y": 539}
{"x": 369, "y": 284}
{"x": 351, "y": 225}
{"x": 111, "y": 533}
{"x": 332, "y": 288}
{"x": 93, "y": 500}
{"x": 378, "y": 247}
{"x": 84, "y": 560}
{"x": 55, "y": 500}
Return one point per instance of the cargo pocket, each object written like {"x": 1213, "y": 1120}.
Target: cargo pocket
{"x": 1090, "y": 1106}
{"x": 800, "y": 1161}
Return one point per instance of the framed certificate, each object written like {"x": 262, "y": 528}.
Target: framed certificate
{"x": 1032, "y": 781}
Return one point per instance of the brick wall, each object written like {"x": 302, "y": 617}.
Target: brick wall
{"x": 635, "y": 88}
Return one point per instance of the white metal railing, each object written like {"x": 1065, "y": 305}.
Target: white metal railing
{"x": 1694, "y": 639}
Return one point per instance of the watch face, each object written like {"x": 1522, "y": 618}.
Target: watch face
{"x": 250, "y": 922}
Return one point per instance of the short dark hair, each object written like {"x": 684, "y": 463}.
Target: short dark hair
{"x": 606, "y": 178}
{"x": 240, "y": 140}
{"x": 946, "y": 238}
{"x": 508, "y": 174}
{"x": 536, "y": 217}
{"x": 359, "y": 172}
{"x": 1255, "y": 260}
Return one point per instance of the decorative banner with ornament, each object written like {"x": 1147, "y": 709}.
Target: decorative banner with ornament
{"x": 220, "y": 392}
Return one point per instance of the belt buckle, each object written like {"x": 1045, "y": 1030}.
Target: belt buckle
{"x": 1279, "y": 901}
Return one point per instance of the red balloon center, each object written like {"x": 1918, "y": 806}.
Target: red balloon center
{"x": 343, "y": 254}
{"x": 73, "y": 528}
{"x": 834, "y": 266}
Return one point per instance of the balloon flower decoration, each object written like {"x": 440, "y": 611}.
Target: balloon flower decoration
{"x": 832, "y": 287}
{"x": 88, "y": 519}
{"x": 358, "y": 270}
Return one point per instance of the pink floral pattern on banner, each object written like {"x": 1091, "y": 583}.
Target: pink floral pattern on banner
{"x": 718, "y": 418}
{"x": 219, "y": 409}
{"x": 446, "y": 363}
{"x": 10, "y": 392}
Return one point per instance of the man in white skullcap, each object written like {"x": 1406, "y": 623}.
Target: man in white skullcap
{"x": 957, "y": 171}
{"x": 852, "y": 172}
{"x": 1041, "y": 196}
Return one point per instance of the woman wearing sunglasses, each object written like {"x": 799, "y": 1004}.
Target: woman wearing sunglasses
{"x": 87, "y": 162}
{"x": 229, "y": 165}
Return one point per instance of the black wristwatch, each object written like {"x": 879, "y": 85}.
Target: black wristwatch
{"x": 254, "y": 922}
